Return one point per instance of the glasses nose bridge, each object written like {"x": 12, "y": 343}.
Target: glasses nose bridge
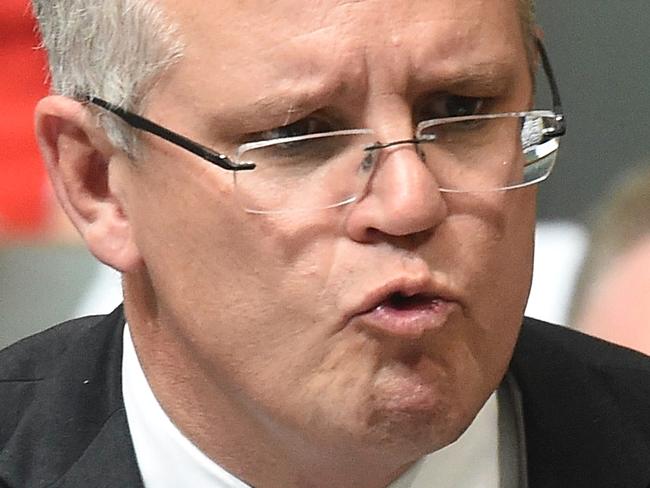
{"x": 378, "y": 146}
{"x": 374, "y": 157}
{"x": 375, "y": 150}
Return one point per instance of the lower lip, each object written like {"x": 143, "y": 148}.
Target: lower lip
{"x": 408, "y": 322}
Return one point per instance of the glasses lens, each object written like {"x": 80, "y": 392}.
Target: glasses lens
{"x": 490, "y": 152}
{"x": 465, "y": 154}
{"x": 316, "y": 171}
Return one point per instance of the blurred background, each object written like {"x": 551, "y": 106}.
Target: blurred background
{"x": 598, "y": 49}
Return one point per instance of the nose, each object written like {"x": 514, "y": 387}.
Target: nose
{"x": 402, "y": 197}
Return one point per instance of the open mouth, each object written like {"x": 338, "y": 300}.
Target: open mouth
{"x": 402, "y": 302}
{"x": 406, "y": 315}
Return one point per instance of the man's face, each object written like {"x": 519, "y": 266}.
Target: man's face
{"x": 385, "y": 323}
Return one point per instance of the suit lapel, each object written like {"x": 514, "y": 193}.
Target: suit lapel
{"x": 108, "y": 462}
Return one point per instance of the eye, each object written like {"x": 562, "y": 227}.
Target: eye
{"x": 303, "y": 127}
{"x": 449, "y": 106}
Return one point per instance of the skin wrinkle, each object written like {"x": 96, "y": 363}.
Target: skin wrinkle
{"x": 313, "y": 96}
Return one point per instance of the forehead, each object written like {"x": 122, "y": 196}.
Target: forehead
{"x": 379, "y": 44}
{"x": 246, "y": 17}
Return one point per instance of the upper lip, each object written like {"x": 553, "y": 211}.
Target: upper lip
{"x": 405, "y": 286}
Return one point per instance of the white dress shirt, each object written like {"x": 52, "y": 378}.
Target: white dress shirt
{"x": 168, "y": 459}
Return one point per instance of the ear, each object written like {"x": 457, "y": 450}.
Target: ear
{"x": 80, "y": 160}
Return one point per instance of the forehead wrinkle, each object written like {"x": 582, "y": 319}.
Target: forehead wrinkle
{"x": 308, "y": 65}
{"x": 302, "y": 84}
{"x": 451, "y": 49}
{"x": 286, "y": 99}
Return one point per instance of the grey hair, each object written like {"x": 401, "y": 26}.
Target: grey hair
{"x": 111, "y": 49}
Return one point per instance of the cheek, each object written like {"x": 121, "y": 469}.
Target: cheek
{"x": 492, "y": 239}
{"x": 236, "y": 280}
{"x": 509, "y": 276}
{"x": 324, "y": 376}
{"x": 494, "y": 262}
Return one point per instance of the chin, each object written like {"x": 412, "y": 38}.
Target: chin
{"x": 405, "y": 431}
{"x": 422, "y": 432}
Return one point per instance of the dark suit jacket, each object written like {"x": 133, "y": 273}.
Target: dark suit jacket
{"x": 586, "y": 409}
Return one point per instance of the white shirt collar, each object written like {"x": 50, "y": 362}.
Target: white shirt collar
{"x": 167, "y": 459}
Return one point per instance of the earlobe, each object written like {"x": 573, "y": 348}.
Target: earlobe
{"x": 80, "y": 160}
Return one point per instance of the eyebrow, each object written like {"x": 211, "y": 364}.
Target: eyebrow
{"x": 273, "y": 108}
{"x": 487, "y": 78}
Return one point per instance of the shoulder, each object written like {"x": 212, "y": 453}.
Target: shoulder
{"x": 56, "y": 356}
{"x": 579, "y": 375}
{"x": 57, "y": 390}
{"x": 548, "y": 342}
{"x": 40, "y": 355}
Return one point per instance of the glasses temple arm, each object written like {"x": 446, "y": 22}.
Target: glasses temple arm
{"x": 146, "y": 125}
{"x": 555, "y": 91}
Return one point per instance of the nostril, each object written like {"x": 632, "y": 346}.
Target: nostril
{"x": 400, "y": 198}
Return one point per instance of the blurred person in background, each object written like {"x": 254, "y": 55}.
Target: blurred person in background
{"x": 28, "y": 208}
{"x": 612, "y": 296}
